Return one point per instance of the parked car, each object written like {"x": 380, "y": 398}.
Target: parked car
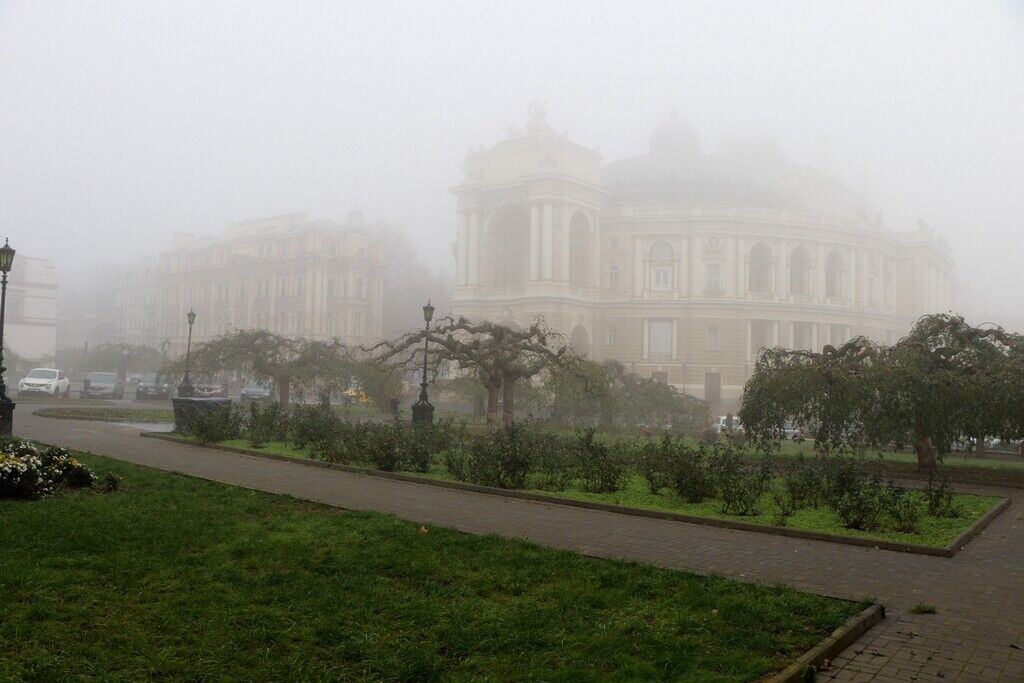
{"x": 210, "y": 390}
{"x": 722, "y": 425}
{"x": 102, "y": 385}
{"x": 49, "y": 381}
{"x": 256, "y": 392}
{"x": 153, "y": 386}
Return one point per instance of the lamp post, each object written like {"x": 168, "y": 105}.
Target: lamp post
{"x": 422, "y": 410}
{"x": 6, "y": 404}
{"x": 185, "y": 389}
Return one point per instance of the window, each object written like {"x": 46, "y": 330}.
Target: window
{"x": 714, "y": 339}
{"x": 613, "y": 277}
{"x": 713, "y": 280}
{"x": 357, "y": 324}
{"x": 760, "y": 268}
{"x": 662, "y": 278}
{"x": 803, "y": 336}
{"x": 611, "y": 336}
{"x": 800, "y": 271}
{"x": 834, "y": 275}
{"x": 659, "y": 340}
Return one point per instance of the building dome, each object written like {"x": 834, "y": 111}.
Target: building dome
{"x": 674, "y": 137}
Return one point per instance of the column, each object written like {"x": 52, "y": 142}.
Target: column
{"x": 548, "y": 243}
{"x": 750, "y": 340}
{"x": 775, "y": 333}
{"x": 463, "y": 249}
{"x": 595, "y": 252}
{"x": 645, "y": 339}
{"x": 534, "y": 242}
{"x": 675, "y": 339}
{"x": 473, "y": 258}
{"x": 564, "y": 215}
{"x": 638, "y": 268}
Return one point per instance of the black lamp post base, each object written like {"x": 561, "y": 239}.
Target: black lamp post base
{"x": 422, "y": 413}
{"x": 6, "y": 417}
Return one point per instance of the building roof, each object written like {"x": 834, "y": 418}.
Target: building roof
{"x": 746, "y": 171}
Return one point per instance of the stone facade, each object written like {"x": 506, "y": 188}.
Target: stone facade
{"x": 680, "y": 264}
{"x": 30, "y": 328}
{"x": 287, "y": 274}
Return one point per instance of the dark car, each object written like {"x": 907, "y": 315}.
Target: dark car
{"x": 102, "y": 385}
{"x": 255, "y": 392}
{"x": 211, "y": 390}
{"x": 153, "y": 386}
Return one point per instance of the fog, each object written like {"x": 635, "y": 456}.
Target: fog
{"x": 121, "y": 122}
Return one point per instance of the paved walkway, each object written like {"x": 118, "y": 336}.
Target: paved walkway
{"x": 977, "y": 634}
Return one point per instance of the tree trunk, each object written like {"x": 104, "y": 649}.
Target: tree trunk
{"x": 283, "y": 392}
{"x": 926, "y": 452}
{"x": 979, "y": 447}
{"x": 492, "y": 404}
{"x": 507, "y": 391}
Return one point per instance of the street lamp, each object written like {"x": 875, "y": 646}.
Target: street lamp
{"x": 422, "y": 410}
{"x": 185, "y": 389}
{"x": 6, "y": 404}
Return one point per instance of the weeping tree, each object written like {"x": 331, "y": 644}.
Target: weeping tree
{"x": 286, "y": 361}
{"x": 498, "y": 356}
{"x": 945, "y": 381}
{"x": 120, "y": 358}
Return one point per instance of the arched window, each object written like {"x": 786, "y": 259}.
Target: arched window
{"x": 580, "y": 261}
{"x": 579, "y": 339}
{"x": 613, "y": 276}
{"x": 662, "y": 265}
{"x": 760, "y": 268}
{"x": 506, "y": 247}
{"x": 834, "y": 275}
{"x": 800, "y": 271}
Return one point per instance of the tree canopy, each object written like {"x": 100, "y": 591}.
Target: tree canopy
{"x": 945, "y": 381}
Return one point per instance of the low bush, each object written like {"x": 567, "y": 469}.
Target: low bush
{"x": 903, "y": 507}
{"x": 652, "y": 462}
{"x": 939, "y": 497}
{"x": 213, "y": 426}
{"x": 600, "y": 468}
{"x": 689, "y": 472}
{"x": 861, "y": 505}
{"x": 741, "y": 482}
{"x": 265, "y": 423}
{"x": 805, "y": 481}
{"x": 31, "y": 471}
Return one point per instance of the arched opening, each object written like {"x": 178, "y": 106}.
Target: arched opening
{"x": 579, "y": 339}
{"x": 580, "y": 240}
{"x": 834, "y": 275}
{"x": 662, "y": 264}
{"x": 800, "y": 271}
{"x": 760, "y": 268}
{"x": 506, "y": 245}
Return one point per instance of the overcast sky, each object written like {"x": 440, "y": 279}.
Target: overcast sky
{"x": 121, "y": 122}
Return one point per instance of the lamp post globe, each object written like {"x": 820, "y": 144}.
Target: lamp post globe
{"x": 422, "y": 410}
{"x": 6, "y": 404}
{"x": 185, "y": 389}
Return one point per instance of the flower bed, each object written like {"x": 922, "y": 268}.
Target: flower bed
{"x": 31, "y": 471}
{"x": 833, "y": 496}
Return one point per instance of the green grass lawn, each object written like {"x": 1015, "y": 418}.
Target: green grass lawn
{"x": 178, "y": 578}
{"x": 932, "y": 531}
{"x": 105, "y": 414}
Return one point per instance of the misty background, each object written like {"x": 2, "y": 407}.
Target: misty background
{"x": 122, "y": 122}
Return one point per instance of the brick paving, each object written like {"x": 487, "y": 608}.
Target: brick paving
{"x": 976, "y": 635}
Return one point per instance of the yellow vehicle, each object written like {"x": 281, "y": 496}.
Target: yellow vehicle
{"x": 356, "y": 396}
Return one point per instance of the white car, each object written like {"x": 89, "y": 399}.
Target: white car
{"x": 49, "y": 381}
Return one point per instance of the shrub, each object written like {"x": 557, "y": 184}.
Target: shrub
{"x": 784, "y": 503}
{"x": 553, "y": 466}
{"x": 502, "y": 458}
{"x": 213, "y": 426}
{"x": 30, "y": 471}
{"x": 456, "y": 461}
{"x": 903, "y": 507}
{"x": 111, "y": 482}
{"x": 265, "y": 423}
{"x": 317, "y": 429}
{"x": 861, "y": 506}
{"x": 418, "y": 443}
{"x": 652, "y": 462}
{"x": 740, "y": 482}
{"x": 689, "y": 473}
{"x": 600, "y": 468}
{"x": 939, "y": 497}
{"x": 805, "y": 482}
{"x": 385, "y": 445}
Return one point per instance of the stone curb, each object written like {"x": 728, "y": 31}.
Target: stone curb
{"x": 898, "y": 546}
{"x": 827, "y": 650}
{"x": 84, "y": 418}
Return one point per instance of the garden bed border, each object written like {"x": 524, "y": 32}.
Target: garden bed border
{"x": 830, "y": 647}
{"x": 899, "y": 546}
